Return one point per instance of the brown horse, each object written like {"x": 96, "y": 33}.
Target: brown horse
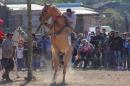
{"x": 59, "y": 32}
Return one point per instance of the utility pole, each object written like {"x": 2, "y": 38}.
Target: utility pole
{"x": 30, "y": 45}
{"x": 126, "y": 21}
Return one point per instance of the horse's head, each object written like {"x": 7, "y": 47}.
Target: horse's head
{"x": 50, "y": 14}
{"x": 45, "y": 15}
{"x": 19, "y": 34}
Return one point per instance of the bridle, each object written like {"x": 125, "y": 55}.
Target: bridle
{"x": 53, "y": 25}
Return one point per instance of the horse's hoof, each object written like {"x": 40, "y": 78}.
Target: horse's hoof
{"x": 53, "y": 80}
{"x": 18, "y": 76}
{"x": 28, "y": 79}
{"x": 63, "y": 81}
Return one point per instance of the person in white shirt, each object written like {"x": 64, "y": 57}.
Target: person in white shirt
{"x": 71, "y": 18}
{"x": 19, "y": 56}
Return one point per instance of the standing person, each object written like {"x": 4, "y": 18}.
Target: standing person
{"x": 118, "y": 47}
{"x": 8, "y": 52}
{"x": 111, "y": 45}
{"x": 104, "y": 34}
{"x": 47, "y": 44}
{"x": 19, "y": 56}
{"x": 25, "y": 54}
{"x": 97, "y": 42}
{"x": 124, "y": 51}
{"x": 36, "y": 56}
{"x": 87, "y": 36}
{"x": 128, "y": 58}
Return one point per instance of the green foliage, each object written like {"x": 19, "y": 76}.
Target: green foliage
{"x": 115, "y": 13}
{"x": 116, "y": 17}
{"x": 61, "y": 1}
{"x": 127, "y": 1}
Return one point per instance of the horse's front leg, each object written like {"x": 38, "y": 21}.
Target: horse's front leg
{"x": 67, "y": 58}
{"x": 64, "y": 73}
{"x": 55, "y": 66}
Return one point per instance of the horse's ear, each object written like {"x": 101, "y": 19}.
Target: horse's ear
{"x": 50, "y": 3}
{"x": 47, "y": 3}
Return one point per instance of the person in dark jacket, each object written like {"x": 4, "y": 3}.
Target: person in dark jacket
{"x": 8, "y": 52}
{"x": 97, "y": 42}
{"x": 117, "y": 48}
{"x": 36, "y": 56}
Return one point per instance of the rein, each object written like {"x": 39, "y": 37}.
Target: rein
{"x": 58, "y": 32}
{"x": 54, "y": 24}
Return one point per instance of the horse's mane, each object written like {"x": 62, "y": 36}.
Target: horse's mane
{"x": 54, "y": 7}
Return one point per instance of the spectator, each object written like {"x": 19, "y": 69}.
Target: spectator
{"x": 36, "y": 56}
{"x": 25, "y": 54}
{"x": 118, "y": 47}
{"x": 128, "y": 59}
{"x": 85, "y": 52}
{"x": 125, "y": 50}
{"x": 19, "y": 56}
{"x": 8, "y": 52}
{"x": 45, "y": 44}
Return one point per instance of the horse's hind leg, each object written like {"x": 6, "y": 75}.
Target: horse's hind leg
{"x": 67, "y": 58}
{"x": 55, "y": 73}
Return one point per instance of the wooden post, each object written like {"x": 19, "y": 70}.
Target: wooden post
{"x": 30, "y": 45}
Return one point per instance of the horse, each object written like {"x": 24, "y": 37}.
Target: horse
{"x": 19, "y": 35}
{"x": 59, "y": 33}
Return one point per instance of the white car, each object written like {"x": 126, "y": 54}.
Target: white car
{"x": 107, "y": 28}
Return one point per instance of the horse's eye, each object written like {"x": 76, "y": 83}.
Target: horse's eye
{"x": 45, "y": 11}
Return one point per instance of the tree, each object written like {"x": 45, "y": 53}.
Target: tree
{"x": 117, "y": 20}
{"x": 127, "y": 1}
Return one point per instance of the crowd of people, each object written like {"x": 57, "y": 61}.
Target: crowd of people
{"x": 100, "y": 49}
{"x": 17, "y": 55}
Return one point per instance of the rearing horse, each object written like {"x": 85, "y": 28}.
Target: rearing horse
{"x": 59, "y": 32}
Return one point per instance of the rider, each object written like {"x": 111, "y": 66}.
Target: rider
{"x": 71, "y": 22}
{"x": 71, "y": 18}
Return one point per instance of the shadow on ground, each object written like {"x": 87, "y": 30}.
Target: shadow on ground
{"x": 59, "y": 84}
{"x": 4, "y": 82}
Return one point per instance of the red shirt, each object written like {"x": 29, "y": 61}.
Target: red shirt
{"x": 1, "y": 34}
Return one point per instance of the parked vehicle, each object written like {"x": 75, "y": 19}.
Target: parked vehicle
{"x": 107, "y": 28}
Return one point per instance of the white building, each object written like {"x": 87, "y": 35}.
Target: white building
{"x": 18, "y": 15}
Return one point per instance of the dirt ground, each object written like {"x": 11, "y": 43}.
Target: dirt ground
{"x": 74, "y": 78}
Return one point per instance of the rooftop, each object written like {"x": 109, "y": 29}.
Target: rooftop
{"x": 16, "y": 7}
{"x": 76, "y": 7}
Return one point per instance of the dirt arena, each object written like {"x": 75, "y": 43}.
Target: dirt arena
{"x": 74, "y": 78}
